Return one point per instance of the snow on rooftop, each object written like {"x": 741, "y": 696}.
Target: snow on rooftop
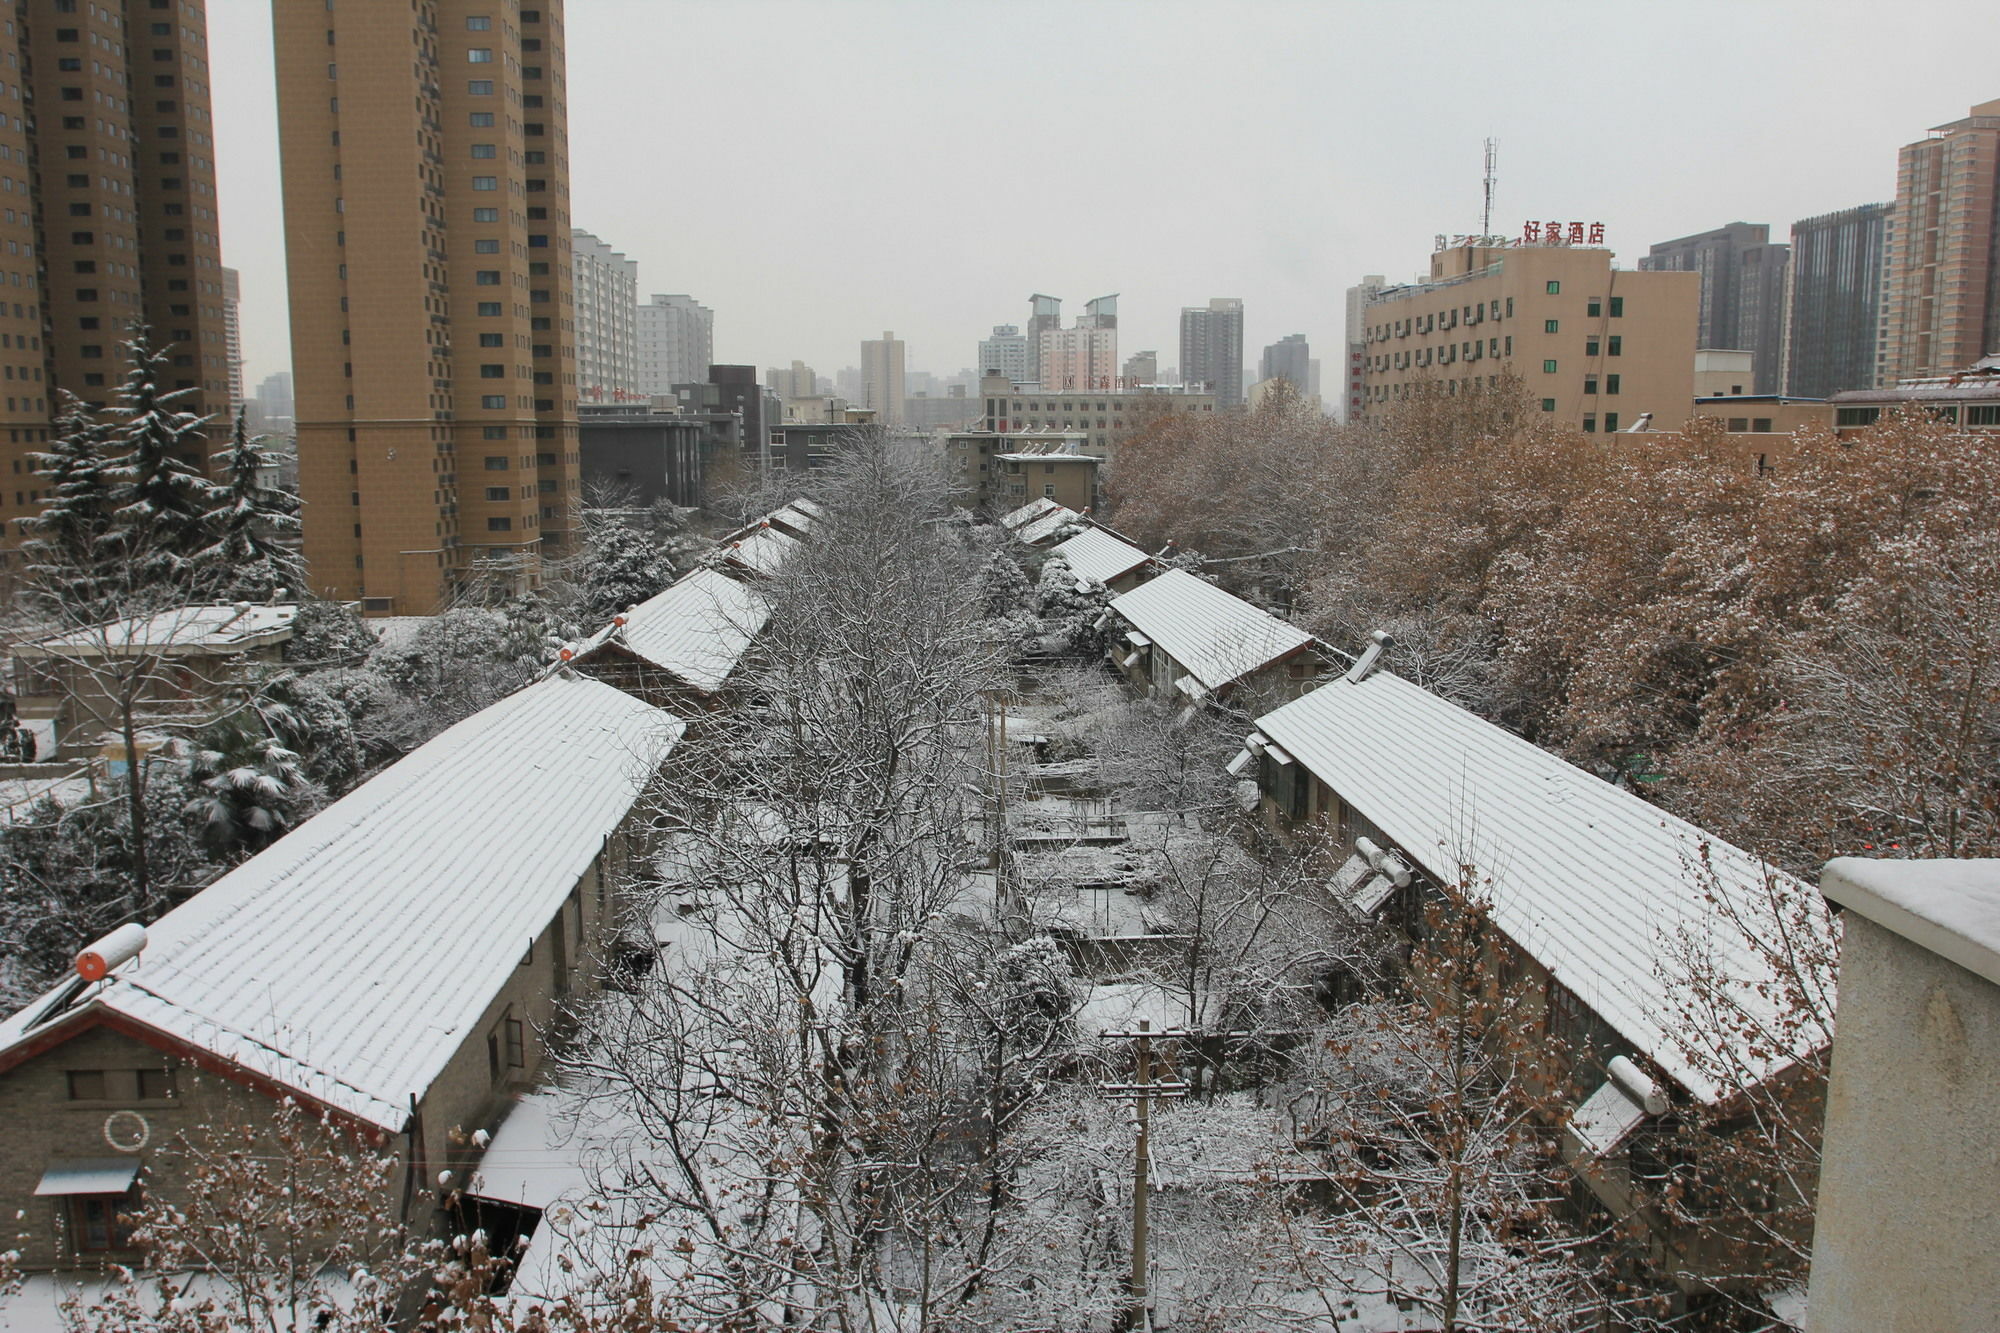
{"x": 1100, "y": 557}
{"x": 352, "y": 959}
{"x": 1217, "y": 638}
{"x": 1045, "y": 525}
{"x": 764, "y": 550}
{"x": 397, "y": 633}
{"x": 1035, "y": 508}
{"x": 209, "y": 629}
{"x": 697, "y": 629}
{"x": 1593, "y": 882}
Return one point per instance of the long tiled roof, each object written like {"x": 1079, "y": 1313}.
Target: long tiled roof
{"x": 1596, "y": 884}
{"x": 696, "y": 630}
{"x": 1216, "y": 637}
{"x": 352, "y": 959}
{"x": 1100, "y": 557}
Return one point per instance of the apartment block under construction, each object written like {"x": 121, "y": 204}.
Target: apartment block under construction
{"x": 427, "y": 231}
{"x": 107, "y": 216}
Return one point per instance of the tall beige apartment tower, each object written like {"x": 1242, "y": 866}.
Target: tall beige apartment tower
{"x": 113, "y": 226}
{"x": 1941, "y": 282}
{"x": 882, "y": 378}
{"x": 427, "y": 236}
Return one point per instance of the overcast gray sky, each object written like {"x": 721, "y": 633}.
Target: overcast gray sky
{"x": 817, "y": 171}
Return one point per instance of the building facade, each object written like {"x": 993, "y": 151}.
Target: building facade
{"x": 1212, "y": 350}
{"x": 1289, "y": 358}
{"x": 232, "y": 334}
{"x": 1743, "y": 291}
{"x": 116, "y": 225}
{"x": 676, "y": 343}
{"x": 882, "y": 388}
{"x": 793, "y": 383}
{"x": 1595, "y": 346}
{"x": 1044, "y": 313}
{"x": 1103, "y": 420}
{"x": 1007, "y": 352}
{"x": 427, "y": 237}
{"x": 607, "y": 317}
{"x": 1835, "y": 319}
{"x": 1353, "y": 372}
{"x": 1141, "y": 369}
{"x": 1941, "y": 291}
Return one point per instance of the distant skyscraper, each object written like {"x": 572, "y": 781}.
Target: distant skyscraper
{"x": 1083, "y": 358}
{"x": 274, "y": 395}
{"x": 1212, "y": 349}
{"x": 427, "y": 236}
{"x": 1044, "y": 313}
{"x": 232, "y": 333}
{"x": 1836, "y": 301}
{"x": 676, "y": 343}
{"x": 1353, "y": 374}
{"x": 882, "y": 378}
{"x": 1007, "y": 352}
{"x": 797, "y": 381}
{"x": 1742, "y": 291}
{"x": 1142, "y": 368}
{"x": 1289, "y": 358}
{"x": 1941, "y": 291}
{"x": 607, "y": 337}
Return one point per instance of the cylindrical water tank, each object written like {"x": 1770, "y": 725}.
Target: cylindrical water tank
{"x": 95, "y": 963}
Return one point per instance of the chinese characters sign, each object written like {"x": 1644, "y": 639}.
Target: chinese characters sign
{"x": 1562, "y": 233}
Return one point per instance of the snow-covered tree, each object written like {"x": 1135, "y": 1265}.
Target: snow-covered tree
{"x": 162, "y": 496}
{"x": 328, "y": 634}
{"x": 65, "y": 548}
{"x": 245, "y": 557}
{"x": 1070, "y": 611}
{"x": 621, "y": 567}
{"x": 249, "y": 789}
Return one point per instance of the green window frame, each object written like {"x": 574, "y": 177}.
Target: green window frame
{"x": 1548, "y": 404}
{"x": 1610, "y": 423}
{"x": 1555, "y": 287}
{"x": 1550, "y": 326}
{"x": 1617, "y": 347}
{"x": 1595, "y": 309}
{"x": 1549, "y": 366}
{"x": 1593, "y": 346}
{"x": 1590, "y": 423}
{"x": 1611, "y": 384}
{"x": 1617, "y": 307}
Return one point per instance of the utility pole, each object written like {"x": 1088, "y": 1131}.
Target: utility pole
{"x": 1142, "y": 1091}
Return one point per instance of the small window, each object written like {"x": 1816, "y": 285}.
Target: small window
{"x": 479, "y": 87}
{"x": 1617, "y": 347}
{"x": 499, "y": 493}
{"x": 492, "y": 432}
{"x": 486, "y": 246}
{"x": 95, "y": 1224}
{"x": 485, "y": 182}
{"x": 517, "y": 1043}
{"x": 489, "y": 307}
{"x": 485, "y": 215}
{"x": 1762, "y": 425}
{"x": 1590, "y": 423}
{"x": 500, "y": 523}
{"x": 155, "y": 1085}
{"x": 1555, "y": 287}
{"x": 1856, "y": 416}
{"x": 1610, "y": 421}
{"x": 1595, "y": 308}
{"x": 1589, "y": 385}
{"x": 1617, "y": 307}
{"x": 478, "y": 23}
{"x": 86, "y": 1085}
{"x": 1549, "y": 326}
{"x": 485, "y": 150}
{"x": 1549, "y": 367}
{"x": 479, "y": 55}
{"x": 1593, "y": 346}
{"x": 496, "y": 462}
{"x": 482, "y": 120}
{"x": 1738, "y": 425}
{"x": 487, "y": 277}
{"x": 493, "y": 402}
{"x": 489, "y": 340}
{"x": 1548, "y": 404}
{"x": 1611, "y": 384}
{"x": 491, "y": 371}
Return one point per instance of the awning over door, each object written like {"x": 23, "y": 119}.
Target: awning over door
{"x": 90, "y": 1175}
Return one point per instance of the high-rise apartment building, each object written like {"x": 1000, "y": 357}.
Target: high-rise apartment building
{"x": 1212, "y": 350}
{"x": 1595, "y": 347}
{"x": 676, "y": 343}
{"x": 1743, "y": 291}
{"x": 232, "y": 333}
{"x": 114, "y": 226}
{"x": 427, "y": 234}
{"x": 1289, "y": 358}
{"x": 1083, "y": 358}
{"x": 1044, "y": 313}
{"x": 1941, "y": 291}
{"x": 274, "y": 396}
{"x": 794, "y": 383}
{"x": 882, "y": 387}
{"x": 607, "y": 316}
{"x": 1836, "y": 282}
{"x": 1141, "y": 369}
{"x": 1354, "y": 372}
{"x": 1007, "y": 352}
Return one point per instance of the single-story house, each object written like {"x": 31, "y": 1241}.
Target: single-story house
{"x": 758, "y": 551}
{"x": 1184, "y": 640}
{"x": 394, "y": 965}
{"x": 1035, "y": 508}
{"x": 677, "y": 648}
{"x": 1099, "y": 556}
{"x": 1044, "y": 527}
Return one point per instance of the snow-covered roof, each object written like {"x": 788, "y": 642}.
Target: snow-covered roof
{"x": 795, "y": 518}
{"x": 1035, "y": 508}
{"x": 763, "y": 550}
{"x": 1100, "y": 557}
{"x": 697, "y": 629}
{"x": 397, "y": 633}
{"x": 1045, "y": 525}
{"x": 1590, "y": 880}
{"x": 1216, "y": 637}
{"x": 352, "y": 959}
{"x": 215, "y": 630}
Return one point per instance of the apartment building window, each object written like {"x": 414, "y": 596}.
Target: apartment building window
{"x": 1617, "y": 347}
{"x": 1611, "y": 384}
{"x": 1549, "y": 367}
{"x": 481, "y": 120}
{"x": 1555, "y": 287}
{"x": 1592, "y": 346}
{"x": 1510, "y": 307}
{"x": 486, "y": 246}
{"x": 1548, "y": 404}
{"x": 500, "y": 523}
{"x": 489, "y": 340}
{"x": 1617, "y": 307}
{"x": 1549, "y": 326}
{"x": 1510, "y": 344}
{"x": 485, "y": 150}
{"x": 491, "y": 371}
{"x": 478, "y": 23}
{"x": 496, "y": 462}
{"x": 487, "y": 277}
{"x": 479, "y": 87}
{"x": 493, "y": 402}
{"x": 498, "y": 493}
{"x": 1610, "y": 421}
{"x": 1590, "y": 423}
{"x": 485, "y": 215}
{"x": 94, "y": 1222}
{"x": 489, "y": 307}
{"x": 1595, "y": 308}
{"x": 479, "y": 55}
{"x": 485, "y": 182}
{"x": 1589, "y": 384}
{"x": 494, "y": 432}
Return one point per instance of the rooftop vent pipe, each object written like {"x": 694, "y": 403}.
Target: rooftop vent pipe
{"x": 1371, "y": 657}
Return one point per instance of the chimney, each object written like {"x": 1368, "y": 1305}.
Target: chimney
{"x": 1371, "y": 657}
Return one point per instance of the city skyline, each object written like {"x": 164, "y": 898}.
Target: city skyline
{"x": 1296, "y": 231}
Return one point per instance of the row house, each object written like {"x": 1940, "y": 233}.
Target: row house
{"x": 1182, "y": 640}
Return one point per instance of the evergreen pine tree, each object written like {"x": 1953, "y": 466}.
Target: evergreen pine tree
{"x": 623, "y": 568}
{"x": 162, "y": 497}
{"x": 66, "y": 544}
{"x": 244, "y": 558}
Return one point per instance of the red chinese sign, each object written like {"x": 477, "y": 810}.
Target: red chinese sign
{"x": 1562, "y": 233}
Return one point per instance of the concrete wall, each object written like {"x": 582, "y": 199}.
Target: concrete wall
{"x": 1908, "y": 1235}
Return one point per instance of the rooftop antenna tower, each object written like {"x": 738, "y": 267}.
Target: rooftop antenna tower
{"x": 1492, "y": 161}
